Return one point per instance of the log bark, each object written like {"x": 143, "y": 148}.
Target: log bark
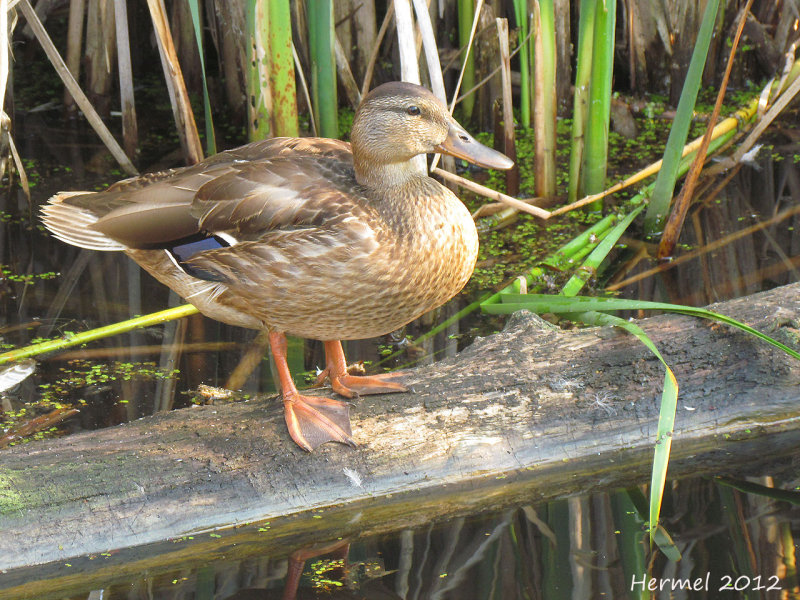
{"x": 525, "y": 415}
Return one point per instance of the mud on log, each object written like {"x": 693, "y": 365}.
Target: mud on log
{"x": 529, "y": 414}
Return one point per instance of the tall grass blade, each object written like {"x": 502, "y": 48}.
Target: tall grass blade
{"x": 431, "y": 50}
{"x": 323, "y": 68}
{"x": 373, "y": 55}
{"x": 668, "y": 175}
{"x": 466, "y": 19}
{"x": 259, "y": 100}
{"x": 409, "y": 66}
{"x": 666, "y": 415}
{"x": 5, "y": 120}
{"x": 282, "y": 85}
{"x": 77, "y": 16}
{"x": 545, "y": 106}
{"x": 580, "y": 103}
{"x": 304, "y": 85}
{"x": 406, "y": 45}
{"x": 560, "y": 304}
{"x": 99, "y": 47}
{"x": 589, "y": 268}
{"x": 211, "y": 139}
{"x": 346, "y": 75}
{"x": 522, "y": 18}
{"x": 672, "y": 230}
{"x": 599, "y": 115}
{"x": 456, "y": 99}
{"x": 509, "y": 146}
{"x": 434, "y": 66}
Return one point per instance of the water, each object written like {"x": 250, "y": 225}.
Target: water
{"x": 580, "y": 546}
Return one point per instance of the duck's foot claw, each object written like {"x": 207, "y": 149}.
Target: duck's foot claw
{"x": 351, "y": 386}
{"x": 313, "y": 421}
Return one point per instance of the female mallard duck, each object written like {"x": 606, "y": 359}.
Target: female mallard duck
{"x": 306, "y": 236}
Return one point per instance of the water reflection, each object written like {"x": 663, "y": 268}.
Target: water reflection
{"x": 740, "y": 237}
{"x": 578, "y": 548}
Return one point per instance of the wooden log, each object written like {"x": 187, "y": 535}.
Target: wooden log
{"x": 525, "y": 415}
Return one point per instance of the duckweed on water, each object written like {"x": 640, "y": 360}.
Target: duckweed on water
{"x": 7, "y": 273}
{"x": 80, "y": 374}
{"x": 75, "y": 381}
{"x": 319, "y": 571}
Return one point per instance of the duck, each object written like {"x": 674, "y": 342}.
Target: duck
{"x": 312, "y": 237}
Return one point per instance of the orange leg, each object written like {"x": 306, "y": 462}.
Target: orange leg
{"x": 311, "y": 420}
{"x": 351, "y": 386}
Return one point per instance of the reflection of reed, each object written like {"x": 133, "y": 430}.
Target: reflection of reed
{"x": 710, "y": 247}
{"x": 174, "y": 335}
{"x": 585, "y": 547}
{"x": 66, "y": 289}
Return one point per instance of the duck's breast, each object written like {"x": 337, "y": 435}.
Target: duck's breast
{"x": 422, "y": 251}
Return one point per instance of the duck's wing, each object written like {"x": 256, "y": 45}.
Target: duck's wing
{"x": 299, "y": 214}
{"x": 155, "y": 210}
{"x": 278, "y": 194}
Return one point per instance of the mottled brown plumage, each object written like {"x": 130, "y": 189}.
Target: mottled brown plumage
{"x": 306, "y": 237}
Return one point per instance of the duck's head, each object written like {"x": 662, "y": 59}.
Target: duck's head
{"x": 397, "y": 121}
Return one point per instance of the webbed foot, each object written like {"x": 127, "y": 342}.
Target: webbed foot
{"x": 313, "y": 421}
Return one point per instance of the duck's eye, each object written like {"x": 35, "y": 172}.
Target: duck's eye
{"x": 413, "y": 110}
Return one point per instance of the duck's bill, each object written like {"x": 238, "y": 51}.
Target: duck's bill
{"x": 461, "y": 144}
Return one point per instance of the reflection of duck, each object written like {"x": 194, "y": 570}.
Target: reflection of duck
{"x": 303, "y": 236}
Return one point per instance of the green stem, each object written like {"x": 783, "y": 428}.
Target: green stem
{"x": 281, "y": 70}
{"x": 466, "y": 14}
{"x": 545, "y": 104}
{"x": 323, "y": 67}
{"x": 95, "y": 334}
{"x": 668, "y": 175}
{"x": 521, "y": 15}
{"x": 258, "y": 98}
{"x": 596, "y": 159}
{"x": 211, "y": 140}
{"x": 580, "y": 108}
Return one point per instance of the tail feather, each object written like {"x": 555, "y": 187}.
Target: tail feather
{"x": 72, "y": 224}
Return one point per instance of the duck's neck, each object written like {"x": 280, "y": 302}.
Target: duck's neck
{"x": 383, "y": 176}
